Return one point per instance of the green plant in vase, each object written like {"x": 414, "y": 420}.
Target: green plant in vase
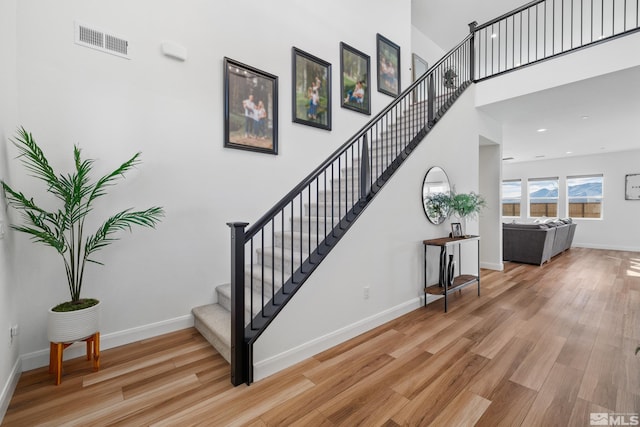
{"x": 466, "y": 205}
{"x": 63, "y": 228}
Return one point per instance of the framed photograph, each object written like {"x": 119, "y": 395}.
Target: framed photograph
{"x": 456, "y": 229}
{"x": 632, "y": 186}
{"x": 250, "y": 108}
{"x": 388, "y": 54}
{"x": 311, "y": 90}
{"x": 355, "y": 76}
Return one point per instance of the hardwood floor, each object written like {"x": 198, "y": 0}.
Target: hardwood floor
{"x": 542, "y": 346}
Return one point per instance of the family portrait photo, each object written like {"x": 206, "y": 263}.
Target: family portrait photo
{"x": 354, "y": 79}
{"x": 388, "y": 66}
{"x": 311, "y": 90}
{"x": 250, "y": 108}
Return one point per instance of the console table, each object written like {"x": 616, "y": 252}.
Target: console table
{"x": 448, "y": 282}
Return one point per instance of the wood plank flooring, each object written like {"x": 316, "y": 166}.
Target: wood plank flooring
{"x": 542, "y": 346}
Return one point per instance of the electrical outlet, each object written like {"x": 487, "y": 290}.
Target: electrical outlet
{"x": 366, "y": 292}
{"x": 14, "y": 331}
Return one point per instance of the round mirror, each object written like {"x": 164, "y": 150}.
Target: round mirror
{"x": 435, "y": 195}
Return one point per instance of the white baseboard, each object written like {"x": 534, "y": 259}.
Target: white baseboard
{"x": 492, "y": 266}
{"x": 9, "y": 388}
{"x": 264, "y": 368}
{"x": 40, "y": 358}
{"x": 606, "y": 247}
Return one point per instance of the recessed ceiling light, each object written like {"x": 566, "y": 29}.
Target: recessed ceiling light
{"x": 569, "y": 152}
{"x": 494, "y": 35}
{"x": 542, "y": 130}
{"x": 584, "y": 117}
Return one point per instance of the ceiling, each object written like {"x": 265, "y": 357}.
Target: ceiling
{"x": 591, "y": 116}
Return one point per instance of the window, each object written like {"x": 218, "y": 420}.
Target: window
{"x": 584, "y": 196}
{"x": 511, "y": 196}
{"x": 543, "y": 197}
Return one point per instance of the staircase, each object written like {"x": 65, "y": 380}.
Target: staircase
{"x": 273, "y": 265}
{"x": 273, "y": 258}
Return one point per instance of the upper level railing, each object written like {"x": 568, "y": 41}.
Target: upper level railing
{"x": 546, "y": 28}
{"x": 273, "y": 258}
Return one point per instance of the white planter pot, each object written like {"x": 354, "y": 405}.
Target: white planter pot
{"x": 72, "y": 326}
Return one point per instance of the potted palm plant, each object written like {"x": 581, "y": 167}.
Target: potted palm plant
{"x": 63, "y": 229}
{"x": 466, "y": 205}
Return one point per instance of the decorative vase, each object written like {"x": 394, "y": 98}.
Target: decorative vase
{"x": 70, "y": 326}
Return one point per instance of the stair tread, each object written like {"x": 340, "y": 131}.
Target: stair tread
{"x": 214, "y": 323}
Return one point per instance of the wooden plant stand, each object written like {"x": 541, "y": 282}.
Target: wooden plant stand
{"x": 57, "y": 348}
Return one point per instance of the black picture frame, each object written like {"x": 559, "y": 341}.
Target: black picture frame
{"x": 355, "y": 78}
{"x": 311, "y": 90}
{"x": 456, "y": 229}
{"x": 245, "y": 127}
{"x": 388, "y": 66}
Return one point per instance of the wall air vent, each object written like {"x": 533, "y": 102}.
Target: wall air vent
{"x": 104, "y": 42}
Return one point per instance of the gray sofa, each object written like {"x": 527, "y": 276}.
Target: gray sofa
{"x": 536, "y": 243}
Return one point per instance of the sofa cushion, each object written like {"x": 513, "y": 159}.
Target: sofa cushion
{"x": 518, "y": 226}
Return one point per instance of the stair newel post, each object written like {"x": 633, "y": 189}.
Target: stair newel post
{"x": 472, "y": 51}
{"x": 364, "y": 168}
{"x": 431, "y": 99}
{"x": 240, "y": 369}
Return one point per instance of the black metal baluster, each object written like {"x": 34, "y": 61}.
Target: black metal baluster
{"x": 582, "y": 22}
{"x": 325, "y": 203}
{"x": 262, "y": 268}
{"x": 251, "y": 279}
{"x": 273, "y": 259}
{"x": 562, "y": 28}
{"x": 571, "y": 40}
{"x": 339, "y": 190}
{"x": 332, "y": 208}
{"x": 544, "y": 53}
{"x": 309, "y": 235}
{"x": 528, "y": 35}
{"x": 293, "y": 229}
{"x": 521, "y": 13}
{"x": 317, "y": 213}
{"x": 293, "y": 261}
{"x": 282, "y": 252}
{"x": 592, "y": 21}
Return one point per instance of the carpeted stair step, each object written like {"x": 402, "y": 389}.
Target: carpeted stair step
{"x": 312, "y": 224}
{"x": 213, "y": 321}
{"x": 224, "y": 299}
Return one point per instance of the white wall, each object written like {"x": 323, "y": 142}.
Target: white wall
{"x": 382, "y": 250}
{"x": 490, "y": 218}
{"x": 425, "y": 48}
{"x": 616, "y": 229}
{"x": 9, "y": 362}
{"x": 172, "y": 111}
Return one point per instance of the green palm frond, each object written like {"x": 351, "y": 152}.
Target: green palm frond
{"x": 120, "y": 222}
{"x": 63, "y": 229}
